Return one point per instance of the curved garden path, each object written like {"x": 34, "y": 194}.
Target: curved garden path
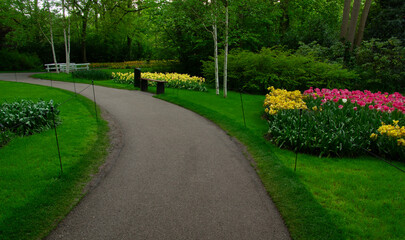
{"x": 178, "y": 176}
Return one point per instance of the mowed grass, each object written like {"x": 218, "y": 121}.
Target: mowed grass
{"x": 326, "y": 198}
{"x": 34, "y": 195}
{"x": 68, "y": 78}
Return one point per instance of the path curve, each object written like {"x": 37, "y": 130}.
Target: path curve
{"x": 178, "y": 176}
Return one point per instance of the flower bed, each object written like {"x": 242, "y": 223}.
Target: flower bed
{"x": 337, "y": 122}
{"x": 174, "y": 80}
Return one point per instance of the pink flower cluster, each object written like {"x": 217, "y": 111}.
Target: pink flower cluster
{"x": 384, "y": 102}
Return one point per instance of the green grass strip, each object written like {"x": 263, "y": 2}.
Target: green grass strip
{"x": 34, "y": 196}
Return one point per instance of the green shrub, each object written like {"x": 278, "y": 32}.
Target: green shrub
{"x": 254, "y": 72}
{"x": 92, "y": 75}
{"x": 15, "y": 61}
{"x": 25, "y": 117}
{"x": 381, "y": 64}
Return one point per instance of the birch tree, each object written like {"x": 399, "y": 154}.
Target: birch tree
{"x": 226, "y": 48}
{"x": 47, "y": 9}
{"x": 66, "y": 35}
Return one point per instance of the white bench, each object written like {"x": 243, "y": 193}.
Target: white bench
{"x": 72, "y": 67}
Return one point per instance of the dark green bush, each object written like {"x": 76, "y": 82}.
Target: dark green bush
{"x": 254, "y": 72}
{"x": 15, "y": 61}
{"x": 380, "y": 64}
{"x": 25, "y": 117}
{"x": 92, "y": 75}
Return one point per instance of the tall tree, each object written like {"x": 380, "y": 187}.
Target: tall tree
{"x": 47, "y": 8}
{"x": 226, "y": 48}
{"x": 360, "y": 32}
{"x": 345, "y": 19}
{"x": 66, "y": 35}
{"x": 353, "y": 22}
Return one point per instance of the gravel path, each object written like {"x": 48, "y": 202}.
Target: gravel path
{"x": 178, "y": 176}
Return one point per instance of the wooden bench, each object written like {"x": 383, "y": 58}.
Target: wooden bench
{"x": 143, "y": 82}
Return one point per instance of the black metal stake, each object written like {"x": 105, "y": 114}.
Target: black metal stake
{"x": 243, "y": 110}
{"x": 57, "y": 141}
{"x": 298, "y": 141}
{"x": 94, "y": 96}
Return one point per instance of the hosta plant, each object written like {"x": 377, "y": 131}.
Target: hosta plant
{"x": 25, "y": 117}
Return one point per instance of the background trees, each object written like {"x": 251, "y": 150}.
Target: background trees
{"x": 111, "y": 30}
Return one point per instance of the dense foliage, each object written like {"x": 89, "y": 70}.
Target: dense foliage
{"x": 91, "y": 75}
{"x": 13, "y": 60}
{"x": 146, "y": 66}
{"x": 380, "y": 64}
{"x": 174, "y": 80}
{"x": 24, "y": 117}
{"x": 254, "y": 72}
{"x": 337, "y": 122}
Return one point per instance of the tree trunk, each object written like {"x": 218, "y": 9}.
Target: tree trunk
{"x": 363, "y": 20}
{"x": 353, "y": 22}
{"x": 226, "y": 50}
{"x": 345, "y": 19}
{"x": 66, "y": 38}
{"x": 53, "y": 46}
{"x": 215, "y": 35}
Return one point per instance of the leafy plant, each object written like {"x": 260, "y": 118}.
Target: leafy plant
{"x": 25, "y": 117}
{"x": 91, "y": 75}
{"x": 255, "y": 72}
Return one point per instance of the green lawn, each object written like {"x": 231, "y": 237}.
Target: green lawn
{"x": 33, "y": 195}
{"x": 326, "y": 198}
{"x": 68, "y": 78}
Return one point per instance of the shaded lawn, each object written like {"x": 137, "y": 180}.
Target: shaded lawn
{"x": 33, "y": 195}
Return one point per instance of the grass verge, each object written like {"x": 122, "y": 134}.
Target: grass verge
{"x": 68, "y": 78}
{"x": 326, "y": 198}
{"x": 34, "y": 196}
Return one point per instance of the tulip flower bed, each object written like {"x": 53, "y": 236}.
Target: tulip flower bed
{"x": 337, "y": 122}
{"x": 174, "y": 80}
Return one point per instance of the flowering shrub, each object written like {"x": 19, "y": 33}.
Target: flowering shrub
{"x": 337, "y": 122}
{"x": 174, "y": 80}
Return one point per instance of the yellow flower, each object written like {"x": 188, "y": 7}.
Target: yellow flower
{"x": 373, "y": 136}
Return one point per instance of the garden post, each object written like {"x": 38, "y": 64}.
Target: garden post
{"x": 137, "y": 77}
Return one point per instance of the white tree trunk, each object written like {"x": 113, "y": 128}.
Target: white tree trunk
{"x": 53, "y": 48}
{"x": 215, "y": 35}
{"x": 226, "y": 50}
{"x": 66, "y": 38}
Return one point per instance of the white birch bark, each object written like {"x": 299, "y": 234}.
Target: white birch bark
{"x": 226, "y": 50}
{"x": 50, "y": 39}
{"x": 66, "y": 38}
{"x": 215, "y": 35}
